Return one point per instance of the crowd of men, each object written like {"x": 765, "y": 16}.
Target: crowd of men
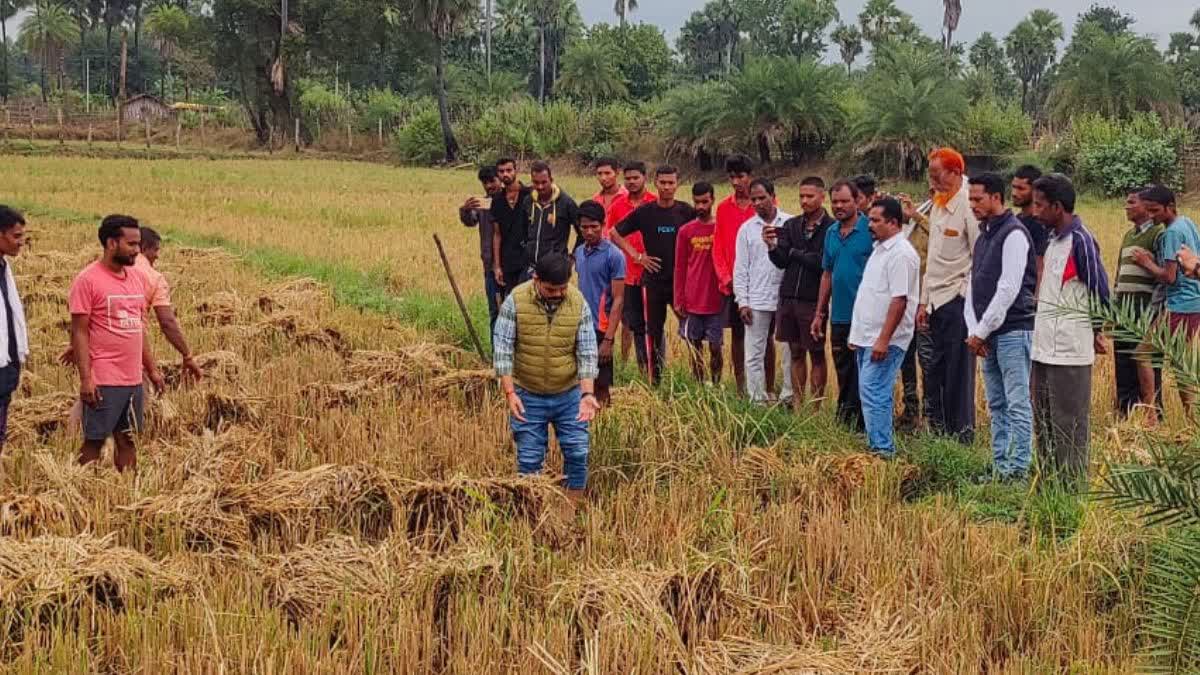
{"x": 964, "y": 281}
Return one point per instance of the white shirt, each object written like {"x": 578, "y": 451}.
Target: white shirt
{"x": 1062, "y": 337}
{"x": 755, "y": 278}
{"x": 1014, "y": 257}
{"x": 952, "y": 234}
{"x": 892, "y": 271}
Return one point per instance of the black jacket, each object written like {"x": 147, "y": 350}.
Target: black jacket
{"x": 549, "y": 229}
{"x": 799, "y": 254}
{"x": 511, "y": 222}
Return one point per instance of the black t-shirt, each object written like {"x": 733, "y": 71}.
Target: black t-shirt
{"x": 1038, "y": 233}
{"x": 659, "y": 228}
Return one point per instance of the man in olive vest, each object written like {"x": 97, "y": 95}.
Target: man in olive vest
{"x": 546, "y": 358}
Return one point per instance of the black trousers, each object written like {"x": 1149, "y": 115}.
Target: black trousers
{"x": 950, "y": 378}
{"x": 849, "y": 405}
{"x": 1129, "y": 392}
{"x": 634, "y": 318}
{"x": 918, "y": 353}
{"x": 658, "y": 298}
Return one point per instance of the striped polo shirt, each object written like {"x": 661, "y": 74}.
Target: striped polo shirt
{"x": 1133, "y": 279}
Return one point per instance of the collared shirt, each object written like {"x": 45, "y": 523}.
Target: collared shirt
{"x": 1183, "y": 296}
{"x": 598, "y": 267}
{"x": 952, "y": 234}
{"x": 1014, "y": 256}
{"x": 893, "y": 271}
{"x": 504, "y": 341}
{"x": 730, "y": 218}
{"x": 1132, "y": 278}
{"x": 845, "y": 258}
{"x": 755, "y": 278}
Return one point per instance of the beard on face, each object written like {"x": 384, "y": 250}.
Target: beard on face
{"x": 125, "y": 260}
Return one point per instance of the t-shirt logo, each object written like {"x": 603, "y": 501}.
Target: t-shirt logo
{"x": 702, "y": 243}
{"x": 125, "y": 313}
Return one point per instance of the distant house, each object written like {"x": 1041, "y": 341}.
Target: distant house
{"x": 144, "y": 106}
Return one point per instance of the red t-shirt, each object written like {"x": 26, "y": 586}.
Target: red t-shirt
{"x": 115, "y": 305}
{"x": 697, "y": 289}
{"x": 620, "y": 209}
{"x": 729, "y": 220}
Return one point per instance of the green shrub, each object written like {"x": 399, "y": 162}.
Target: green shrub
{"x": 419, "y": 141}
{"x": 992, "y": 128}
{"x": 321, "y": 108}
{"x": 610, "y": 124}
{"x": 1128, "y": 161}
{"x": 381, "y": 105}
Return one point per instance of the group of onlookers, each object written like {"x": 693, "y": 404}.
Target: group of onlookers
{"x": 958, "y": 283}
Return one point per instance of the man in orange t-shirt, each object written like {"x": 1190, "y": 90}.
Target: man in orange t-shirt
{"x": 732, "y": 213}
{"x": 606, "y": 170}
{"x": 633, "y": 315}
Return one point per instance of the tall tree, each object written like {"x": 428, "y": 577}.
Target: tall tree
{"x": 441, "y": 19}
{"x": 623, "y": 8}
{"x": 113, "y": 14}
{"x": 1032, "y": 48}
{"x": 8, "y": 9}
{"x": 1114, "y": 75}
{"x": 803, "y": 24}
{"x": 1108, "y": 19}
{"x": 952, "y": 12}
{"x": 849, "y": 40}
{"x": 710, "y": 39}
{"x": 882, "y": 20}
{"x": 45, "y": 34}
{"x": 989, "y": 75}
{"x": 169, "y": 25}
{"x": 589, "y": 73}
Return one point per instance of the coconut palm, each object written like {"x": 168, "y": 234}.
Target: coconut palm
{"x": 1031, "y": 46}
{"x": 589, "y": 73}
{"x": 623, "y": 8}
{"x": 45, "y": 34}
{"x": 169, "y": 25}
{"x": 441, "y": 20}
{"x": 691, "y": 116}
{"x": 1114, "y": 75}
{"x": 849, "y": 40}
{"x": 8, "y": 9}
{"x": 952, "y": 12}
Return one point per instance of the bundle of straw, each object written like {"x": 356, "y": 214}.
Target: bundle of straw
{"x": 35, "y": 419}
{"x": 223, "y": 308}
{"x": 28, "y": 515}
{"x": 297, "y": 294}
{"x": 224, "y": 409}
{"x": 305, "y": 580}
{"x": 218, "y": 366}
{"x": 339, "y": 395}
{"x": 438, "y": 511}
{"x": 203, "y": 510}
{"x": 473, "y": 385}
{"x": 404, "y": 366}
{"x": 355, "y": 498}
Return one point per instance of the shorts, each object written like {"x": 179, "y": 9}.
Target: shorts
{"x": 121, "y": 410}
{"x": 1190, "y": 322}
{"x": 708, "y": 328}
{"x": 793, "y": 325}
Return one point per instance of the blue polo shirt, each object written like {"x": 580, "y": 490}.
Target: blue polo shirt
{"x": 597, "y": 268}
{"x": 846, "y": 258}
{"x": 1183, "y": 297}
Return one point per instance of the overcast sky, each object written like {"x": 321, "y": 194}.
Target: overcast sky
{"x": 1158, "y": 18}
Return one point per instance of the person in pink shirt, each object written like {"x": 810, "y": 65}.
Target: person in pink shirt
{"x": 158, "y": 300}
{"x": 108, "y": 302}
{"x": 698, "y": 299}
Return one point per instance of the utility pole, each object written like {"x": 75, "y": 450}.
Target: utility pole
{"x": 87, "y": 91}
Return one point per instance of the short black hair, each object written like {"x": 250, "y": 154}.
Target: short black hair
{"x": 703, "y": 188}
{"x": 592, "y": 210}
{"x": 1058, "y": 189}
{"x": 739, "y": 164}
{"x": 111, "y": 226}
{"x": 844, "y": 183}
{"x": 636, "y": 165}
{"x": 487, "y": 173}
{"x": 865, "y": 183}
{"x": 1028, "y": 172}
{"x": 814, "y": 181}
{"x": 666, "y": 170}
{"x": 1158, "y": 194}
{"x": 607, "y": 161}
{"x": 10, "y": 218}
{"x": 553, "y": 268}
{"x": 992, "y": 183}
{"x": 540, "y": 166}
{"x": 150, "y": 238}
{"x": 764, "y": 183}
{"x": 892, "y": 210}
{"x": 505, "y": 160}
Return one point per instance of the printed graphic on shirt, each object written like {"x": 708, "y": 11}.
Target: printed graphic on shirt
{"x": 700, "y": 244}
{"x": 123, "y": 313}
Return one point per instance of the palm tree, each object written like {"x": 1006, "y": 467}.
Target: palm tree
{"x": 8, "y": 9}
{"x": 880, "y": 19}
{"x": 1114, "y": 75}
{"x": 589, "y": 73}
{"x": 849, "y": 40}
{"x": 169, "y": 25}
{"x": 691, "y": 116}
{"x": 1031, "y": 48}
{"x": 623, "y": 8}
{"x": 45, "y": 34}
{"x": 952, "y": 12}
{"x": 441, "y": 19}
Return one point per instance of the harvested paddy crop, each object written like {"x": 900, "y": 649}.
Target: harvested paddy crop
{"x": 437, "y": 512}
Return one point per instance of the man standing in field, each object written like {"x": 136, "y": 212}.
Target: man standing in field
{"x": 1183, "y": 292}
{"x": 756, "y": 286}
{"x": 916, "y": 230}
{"x": 158, "y": 298}
{"x": 847, "y": 248}
{"x": 14, "y": 339}
{"x": 1022, "y": 198}
{"x": 659, "y": 225}
{"x": 1000, "y": 312}
{"x": 546, "y": 359}
{"x": 883, "y": 323}
{"x": 509, "y": 263}
{"x": 950, "y": 379}
{"x": 1065, "y": 343}
{"x": 476, "y": 212}
{"x": 1137, "y": 287}
{"x": 601, "y": 270}
{"x": 108, "y": 302}
{"x": 698, "y": 299}
{"x": 552, "y": 216}
{"x": 633, "y": 322}
{"x": 797, "y": 249}
{"x": 732, "y": 213}
{"x": 610, "y": 189}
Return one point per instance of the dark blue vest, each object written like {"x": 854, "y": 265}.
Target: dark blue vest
{"x": 986, "y": 265}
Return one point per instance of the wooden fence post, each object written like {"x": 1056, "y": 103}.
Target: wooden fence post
{"x": 146, "y": 119}
{"x": 89, "y": 134}
{"x": 62, "y": 132}
{"x": 118, "y": 123}
{"x": 380, "y": 133}
{"x": 297, "y": 135}
{"x": 349, "y": 136}
{"x": 31, "y": 121}
{"x": 203, "y": 114}
{"x": 178, "y": 129}
{"x": 7, "y": 123}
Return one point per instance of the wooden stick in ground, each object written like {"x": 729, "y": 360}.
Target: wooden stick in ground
{"x": 462, "y": 306}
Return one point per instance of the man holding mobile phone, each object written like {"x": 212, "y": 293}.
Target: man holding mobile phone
{"x": 477, "y": 212}
{"x": 756, "y": 286}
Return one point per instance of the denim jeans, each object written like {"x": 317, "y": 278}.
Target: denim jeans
{"x": 1006, "y": 382}
{"x": 533, "y": 438}
{"x": 876, "y": 388}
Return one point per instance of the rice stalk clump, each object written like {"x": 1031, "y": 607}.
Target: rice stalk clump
{"x": 217, "y": 366}
{"x": 406, "y": 366}
{"x": 33, "y": 420}
{"x": 31, "y": 515}
{"x": 340, "y": 394}
{"x": 224, "y": 409}
{"x": 224, "y": 308}
{"x": 473, "y": 385}
{"x": 296, "y": 294}
{"x": 438, "y": 511}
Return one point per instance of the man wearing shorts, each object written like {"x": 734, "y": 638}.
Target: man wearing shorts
{"x": 698, "y": 299}
{"x": 107, "y": 302}
{"x": 1183, "y": 292}
{"x": 601, "y": 270}
{"x": 797, "y": 248}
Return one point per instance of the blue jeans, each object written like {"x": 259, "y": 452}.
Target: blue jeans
{"x": 876, "y": 385}
{"x": 1006, "y": 382}
{"x": 533, "y": 438}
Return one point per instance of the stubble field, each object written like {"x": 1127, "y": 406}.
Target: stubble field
{"x": 337, "y": 496}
